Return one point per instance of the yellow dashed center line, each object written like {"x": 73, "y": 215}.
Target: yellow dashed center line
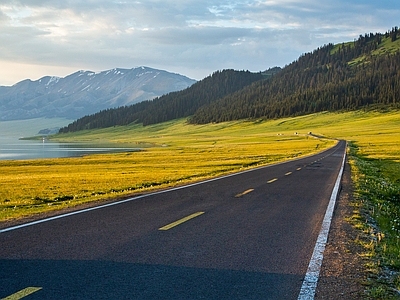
{"x": 298, "y": 169}
{"x": 288, "y": 173}
{"x": 272, "y": 180}
{"x": 244, "y": 193}
{"x": 180, "y": 221}
{"x": 23, "y": 293}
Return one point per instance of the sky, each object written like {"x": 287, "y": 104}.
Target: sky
{"x": 189, "y": 37}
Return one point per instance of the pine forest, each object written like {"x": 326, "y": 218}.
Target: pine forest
{"x": 347, "y": 76}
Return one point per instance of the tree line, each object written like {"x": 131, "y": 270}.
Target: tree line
{"x": 346, "y": 76}
{"x": 331, "y": 78}
{"x": 171, "y": 106}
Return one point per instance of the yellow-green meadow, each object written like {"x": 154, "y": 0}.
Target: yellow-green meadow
{"x": 176, "y": 153}
{"x": 173, "y": 153}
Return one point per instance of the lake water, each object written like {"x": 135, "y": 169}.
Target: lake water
{"x": 12, "y": 148}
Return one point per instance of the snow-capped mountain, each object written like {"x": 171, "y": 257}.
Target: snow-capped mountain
{"x": 86, "y": 92}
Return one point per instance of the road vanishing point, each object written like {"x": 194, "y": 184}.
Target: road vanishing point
{"x": 256, "y": 234}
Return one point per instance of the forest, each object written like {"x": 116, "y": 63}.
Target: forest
{"x": 347, "y": 76}
{"x": 173, "y": 105}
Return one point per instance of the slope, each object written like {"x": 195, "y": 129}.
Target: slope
{"x": 170, "y": 106}
{"x": 86, "y": 92}
{"x": 347, "y": 76}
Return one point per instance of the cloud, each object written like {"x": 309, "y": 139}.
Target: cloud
{"x": 192, "y": 37}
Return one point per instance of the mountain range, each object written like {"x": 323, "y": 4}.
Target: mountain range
{"x": 86, "y": 92}
{"x": 352, "y": 75}
{"x": 173, "y": 105}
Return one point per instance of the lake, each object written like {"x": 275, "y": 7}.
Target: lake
{"x": 12, "y": 148}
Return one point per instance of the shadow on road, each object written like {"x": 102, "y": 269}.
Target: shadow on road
{"x": 69, "y": 279}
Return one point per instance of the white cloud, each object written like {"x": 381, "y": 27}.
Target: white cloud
{"x": 191, "y": 37}
{"x": 11, "y": 71}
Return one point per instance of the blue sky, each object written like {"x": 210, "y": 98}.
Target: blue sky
{"x": 190, "y": 37}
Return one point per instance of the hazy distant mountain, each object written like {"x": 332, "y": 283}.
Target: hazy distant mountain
{"x": 86, "y": 92}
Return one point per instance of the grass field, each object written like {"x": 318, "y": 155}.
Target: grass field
{"x": 374, "y": 155}
{"x": 387, "y": 46}
{"x": 173, "y": 153}
{"x": 176, "y": 153}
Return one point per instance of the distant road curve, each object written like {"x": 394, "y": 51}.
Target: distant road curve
{"x": 249, "y": 235}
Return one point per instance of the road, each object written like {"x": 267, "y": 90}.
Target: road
{"x": 246, "y": 236}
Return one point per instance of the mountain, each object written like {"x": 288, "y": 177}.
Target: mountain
{"x": 172, "y": 105}
{"x": 86, "y": 92}
{"x": 346, "y": 76}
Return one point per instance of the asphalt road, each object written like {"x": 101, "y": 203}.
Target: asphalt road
{"x": 247, "y": 236}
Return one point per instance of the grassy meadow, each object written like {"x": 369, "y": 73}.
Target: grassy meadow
{"x": 374, "y": 156}
{"x": 173, "y": 153}
{"x": 176, "y": 153}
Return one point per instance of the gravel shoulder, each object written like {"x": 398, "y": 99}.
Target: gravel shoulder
{"x": 343, "y": 272}
{"x": 343, "y": 269}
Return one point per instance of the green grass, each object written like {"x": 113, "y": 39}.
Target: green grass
{"x": 377, "y": 182}
{"x": 175, "y": 153}
{"x": 386, "y": 47}
{"x": 374, "y": 154}
{"x": 375, "y": 161}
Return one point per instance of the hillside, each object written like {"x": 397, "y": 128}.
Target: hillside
{"x": 347, "y": 76}
{"x": 173, "y": 105}
{"x": 86, "y": 92}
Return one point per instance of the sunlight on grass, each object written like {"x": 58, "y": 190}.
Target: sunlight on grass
{"x": 174, "y": 153}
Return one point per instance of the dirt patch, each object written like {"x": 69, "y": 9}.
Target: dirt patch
{"x": 343, "y": 269}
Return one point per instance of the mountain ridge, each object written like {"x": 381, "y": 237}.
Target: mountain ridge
{"x": 86, "y": 92}
{"x": 345, "y": 76}
{"x": 172, "y": 105}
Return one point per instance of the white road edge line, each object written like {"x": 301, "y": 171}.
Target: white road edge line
{"x": 130, "y": 199}
{"x": 309, "y": 286}
{"x": 154, "y": 193}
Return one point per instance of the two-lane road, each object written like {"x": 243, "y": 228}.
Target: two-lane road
{"x": 245, "y": 236}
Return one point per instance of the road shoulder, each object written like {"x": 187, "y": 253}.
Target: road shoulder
{"x": 343, "y": 271}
